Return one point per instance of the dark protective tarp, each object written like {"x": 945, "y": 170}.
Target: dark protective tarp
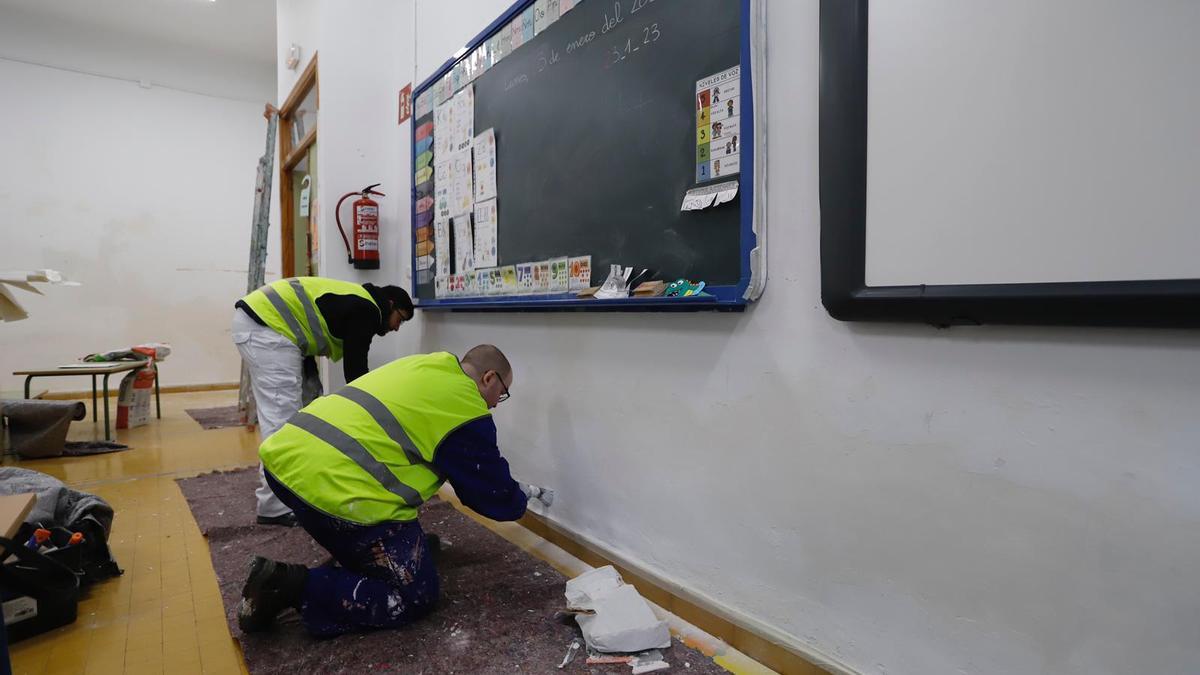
{"x": 39, "y": 428}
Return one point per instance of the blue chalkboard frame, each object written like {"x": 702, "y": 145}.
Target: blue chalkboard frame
{"x": 731, "y": 298}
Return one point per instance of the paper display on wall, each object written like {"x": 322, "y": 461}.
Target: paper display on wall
{"x": 464, "y": 247}
{"x": 508, "y": 275}
{"x": 495, "y": 281}
{"x": 441, "y": 190}
{"x": 462, "y": 119}
{"x": 441, "y": 246}
{"x": 541, "y": 276}
{"x": 486, "y": 225}
{"x": 709, "y": 195}
{"x": 560, "y": 275}
{"x": 462, "y": 189}
{"x": 525, "y": 278}
{"x": 485, "y": 165}
{"x": 441, "y": 131}
{"x": 718, "y": 122}
{"x": 581, "y": 272}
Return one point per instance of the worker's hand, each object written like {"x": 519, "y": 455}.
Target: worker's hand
{"x": 543, "y": 495}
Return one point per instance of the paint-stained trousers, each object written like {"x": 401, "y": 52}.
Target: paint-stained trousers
{"x": 276, "y": 373}
{"x": 385, "y": 575}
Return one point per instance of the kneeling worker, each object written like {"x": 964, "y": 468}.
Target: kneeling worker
{"x": 278, "y": 326}
{"x": 355, "y": 465}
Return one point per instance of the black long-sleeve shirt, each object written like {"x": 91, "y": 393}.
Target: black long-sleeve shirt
{"x": 351, "y": 319}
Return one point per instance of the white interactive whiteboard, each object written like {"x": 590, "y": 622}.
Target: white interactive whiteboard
{"x": 1028, "y": 141}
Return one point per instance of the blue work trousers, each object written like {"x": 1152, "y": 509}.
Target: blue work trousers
{"x": 384, "y": 578}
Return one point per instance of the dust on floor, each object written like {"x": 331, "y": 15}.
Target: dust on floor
{"x": 496, "y": 612}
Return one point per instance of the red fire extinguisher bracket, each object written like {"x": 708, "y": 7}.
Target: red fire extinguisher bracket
{"x": 364, "y": 252}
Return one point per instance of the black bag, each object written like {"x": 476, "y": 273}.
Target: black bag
{"x": 91, "y": 560}
{"x": 38, "y": 592}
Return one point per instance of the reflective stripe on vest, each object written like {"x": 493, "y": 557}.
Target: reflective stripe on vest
{"x": 286, "y": 314}
{"x": 289, "y": 307}
{"x": 310, "y": 313}
{"x": 355, "y": 451}
{"x": 365, "y": 454}
{"x": 390, "y": 425}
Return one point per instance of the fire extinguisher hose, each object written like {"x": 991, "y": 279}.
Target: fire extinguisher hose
{"x": 337, "y": 215}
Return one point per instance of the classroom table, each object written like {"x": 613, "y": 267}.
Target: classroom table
{"x": 94, "y": 369}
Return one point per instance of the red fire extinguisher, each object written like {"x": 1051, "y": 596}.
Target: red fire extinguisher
{"x": 365, "y": 254}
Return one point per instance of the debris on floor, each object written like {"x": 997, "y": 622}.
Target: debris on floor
{"x": 617, "y": 623}
{"x": 648, "y": 662}
{"x": 623, "y": 620}
{"x": 571, "y": 652}
{"x": 494, "y": 615}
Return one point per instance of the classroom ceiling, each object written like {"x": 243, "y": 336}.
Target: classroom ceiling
{"x": 242, "y": 29}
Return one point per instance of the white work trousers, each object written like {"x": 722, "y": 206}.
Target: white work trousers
{"x": 276, "y": 376}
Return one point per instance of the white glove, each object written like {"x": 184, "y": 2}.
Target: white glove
{"x": 543, "y": 495}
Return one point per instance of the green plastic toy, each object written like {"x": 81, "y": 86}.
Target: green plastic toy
{"x": 681, "y": 288}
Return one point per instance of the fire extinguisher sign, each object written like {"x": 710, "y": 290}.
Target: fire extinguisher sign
{"x": 405, "y": 104}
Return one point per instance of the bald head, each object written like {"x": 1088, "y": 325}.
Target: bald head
{"x": 487, "y": 357}
{"x": 491, "y": 371}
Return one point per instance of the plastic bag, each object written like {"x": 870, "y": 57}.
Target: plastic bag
{"x": 133, "y": 400}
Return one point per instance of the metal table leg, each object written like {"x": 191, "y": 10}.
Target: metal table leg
{"x": 94, "y": 411}
{"x": 27, "y": 379}
{"x": 107, "y": 432}
{"x": 157, "y": 400}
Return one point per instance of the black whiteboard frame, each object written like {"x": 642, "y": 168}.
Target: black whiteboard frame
{"x": 752, "y": 253}
{"x": 843, "y": 176}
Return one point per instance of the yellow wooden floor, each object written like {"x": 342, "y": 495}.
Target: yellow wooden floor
{"x": 165, "y": 613}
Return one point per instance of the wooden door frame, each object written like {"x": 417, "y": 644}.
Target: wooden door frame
{"x": 290, "y": 157}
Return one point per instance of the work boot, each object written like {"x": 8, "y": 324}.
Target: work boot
{"x": 286, "y": 520}
{"x": 271, "y": 588}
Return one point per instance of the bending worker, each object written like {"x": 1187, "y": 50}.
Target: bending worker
{"x": 277, "y": 327}
{"x": 355, "y": 465}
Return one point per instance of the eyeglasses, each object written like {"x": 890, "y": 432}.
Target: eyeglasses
{"x": 505, "y": 396}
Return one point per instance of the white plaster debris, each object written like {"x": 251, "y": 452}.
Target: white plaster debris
{"x": 623, "y": 620}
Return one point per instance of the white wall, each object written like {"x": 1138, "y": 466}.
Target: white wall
{"x": 991, "y": 501}
{"x": 36, "y": 34}
{"x": 361, "y": 68}
{"x": 145, "y": 196}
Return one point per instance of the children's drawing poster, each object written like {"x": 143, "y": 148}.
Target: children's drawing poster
{"x": 486, "y": 225}
{"x": 525, "y": 278}
{"x": 581, "y": 272}
{"x": 441, "y": 132}
{"x": 462, "y": 119}
{"x": 718, "y": 122}
{"x": 464, "y": 246}
{"x": 508, "y": 275}
{"x": 485, "y": 165}
{"x": 541, "y": 276}
{"x": 483, "y": 281}
{"x": 461, "y": 189}
{"x": 496, "y": 281}
{"x": 441, "y": 247}
{"x": 441, "y": 190}
{"x": 560, "y": 278}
